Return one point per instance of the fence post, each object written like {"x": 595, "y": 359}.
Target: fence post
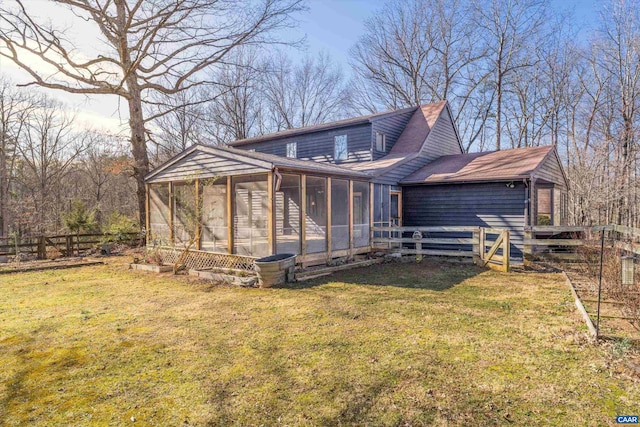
{"x": 418, "y": 250}
{"x": 42, "y": 247}
{"x": 68, "y": 244}
{"x": 476, "y": 246}
{"x": 506, "y": 251}
{"x": 527, "y": 253}
{"x": 482, "y": 238}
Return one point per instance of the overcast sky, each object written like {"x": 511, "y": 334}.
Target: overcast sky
{"x": 332, "y": 26}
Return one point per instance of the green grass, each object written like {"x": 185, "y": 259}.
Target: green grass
{"x": 393, "y": 344}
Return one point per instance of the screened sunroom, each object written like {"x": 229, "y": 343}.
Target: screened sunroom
{"x": 228, "y": 201}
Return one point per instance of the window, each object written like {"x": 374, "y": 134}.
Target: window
{"x": 292, "y": 149}
{"x": 544, "y": 206}
{"x": 340, "y": 152}
{"x": 381, "y": 141}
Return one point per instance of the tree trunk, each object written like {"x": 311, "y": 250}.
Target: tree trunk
{"x": 138, "y": 144}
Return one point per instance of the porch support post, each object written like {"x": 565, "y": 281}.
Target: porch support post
{"x": 328, "y": 204}
{"x": 303, "y": 213}
{"x": 351, "y": 218}
{"x": 171, "y": 231}
{"x": 270, "y": 221}
{"x": 533, "y": 203}
{"x": 147, "y": 222}
{"x": 198, "y": 214}
{"x": 371, "y": 188}
{"x": 229, "y": 215}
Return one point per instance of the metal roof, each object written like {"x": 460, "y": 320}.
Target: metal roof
{"x": 501, "y": 165}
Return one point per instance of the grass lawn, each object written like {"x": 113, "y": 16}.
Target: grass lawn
{"x": 393, "y": 344}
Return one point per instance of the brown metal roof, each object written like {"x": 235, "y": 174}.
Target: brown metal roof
{"x": 319, "y": 127}
{"x": 489, "y": 166}
{"x": 415, "y": 133}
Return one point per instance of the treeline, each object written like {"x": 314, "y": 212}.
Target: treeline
{"x": 47, "y": 163}
{"x": 516, "y": 73}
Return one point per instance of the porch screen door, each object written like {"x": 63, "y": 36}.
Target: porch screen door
{"x": 396, "y": 208}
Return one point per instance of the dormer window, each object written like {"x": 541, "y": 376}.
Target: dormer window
{"x": 381, "y": 142}
{"x": 340, "y": 148}
{"x": 292, "y": 150}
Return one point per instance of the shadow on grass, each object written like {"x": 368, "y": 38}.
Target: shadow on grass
{"x": 432, "y": 275}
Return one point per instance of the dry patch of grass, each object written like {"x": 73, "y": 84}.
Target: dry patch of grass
{"x": 383, "y": 345}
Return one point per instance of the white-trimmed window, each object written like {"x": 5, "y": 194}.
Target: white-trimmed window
{"x": 381, "y": 142}
{"x": 340, "y": 148}
{"x": 292, "y": 149}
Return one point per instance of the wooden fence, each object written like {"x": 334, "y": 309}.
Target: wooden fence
{"x": 486, "y": 246}
{"x": 66, "y": 244}
{"x": 565, "y": 242}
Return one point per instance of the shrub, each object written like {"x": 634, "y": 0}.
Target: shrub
{"x": 119, "y": 227}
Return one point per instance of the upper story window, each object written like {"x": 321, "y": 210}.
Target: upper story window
{"x": 292, "y": 149}
{"x": 381, "y": 142}
{"x": 340, "y": 148}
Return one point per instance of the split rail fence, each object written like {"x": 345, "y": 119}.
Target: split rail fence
{"x": 66, "y": 244}
{"x": 486, "y": 246}
{"x": 564, "y": 243}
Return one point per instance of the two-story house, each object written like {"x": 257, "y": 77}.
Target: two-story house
{"x": 317, "y": 191}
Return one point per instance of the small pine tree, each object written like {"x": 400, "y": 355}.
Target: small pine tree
{"x": 78, "y": 219}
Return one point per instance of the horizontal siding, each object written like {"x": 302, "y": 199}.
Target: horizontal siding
{"x": 483, "y": 205}
{"x": 551, "y": 171}
{"x": 392, "y": 127}
{"x": 442, "y": 139}
{"x": 204, "y": 165}
{"x": 319, "y": 146}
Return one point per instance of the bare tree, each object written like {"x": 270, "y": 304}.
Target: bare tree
{"x": 618, "y": 45}
{"x": 181, "y": 127}
{"x": 511, "y": 30}
{"x": 47, "y": 150}
{"x": 312, "y": 92}
{"x": 237, "y": 109}
{"x": 424, "y": 51}
{"x": 15, "y": 106}
{"x": 150, "y": 46}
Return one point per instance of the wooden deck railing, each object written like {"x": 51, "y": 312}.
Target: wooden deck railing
{"x": 67, "y": 244}
{"x": 486, "y": 246}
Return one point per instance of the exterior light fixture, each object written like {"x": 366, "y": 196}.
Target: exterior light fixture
{"x": 511, "y": 185}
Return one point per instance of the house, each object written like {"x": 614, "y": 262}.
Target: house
{"x": 318, "y": 191}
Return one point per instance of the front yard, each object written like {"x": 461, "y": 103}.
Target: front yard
{"x": 390, "y": 344}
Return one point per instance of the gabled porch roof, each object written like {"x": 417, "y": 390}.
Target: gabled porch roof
{"x": 204, "y": 161}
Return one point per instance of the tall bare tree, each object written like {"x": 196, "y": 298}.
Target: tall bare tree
{"x": 312, "y": 92}
{"x": 422, "y": 51}
{"x": 15, "y": 106}
{"x": 47, "y": 150}
{"x": 511, "y": 30}
{"x": 237, "y": 111}
{"x": 161, "y": 46}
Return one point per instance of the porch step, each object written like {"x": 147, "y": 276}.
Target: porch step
{"x": 325, "y": 271}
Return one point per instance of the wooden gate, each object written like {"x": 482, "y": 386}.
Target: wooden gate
{"x": 490, "y": 258}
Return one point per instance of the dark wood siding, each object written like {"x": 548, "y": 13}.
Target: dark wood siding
{"x": 487, "y": 205}
{"x": 318, "y": 146}
{"x": 392, "y": 127}
{"x": 551, "y": 171}
{"x": 442, "y": 139}
{"x": 200, "y": 164}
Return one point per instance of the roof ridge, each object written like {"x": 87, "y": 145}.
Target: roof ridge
{"x": 320, "y": 126}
